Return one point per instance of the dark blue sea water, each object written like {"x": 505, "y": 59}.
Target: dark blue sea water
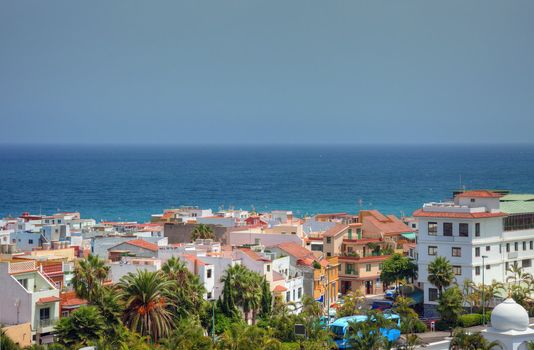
{"x": 132, "y": 182}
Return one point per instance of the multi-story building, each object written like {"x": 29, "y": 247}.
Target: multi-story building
{"x": 469, "y": 232}
{"x": 28, "y": 297}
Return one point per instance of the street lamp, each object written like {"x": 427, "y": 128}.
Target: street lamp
{"x": 213, "y": 300}
{"x": 483, "y": 290}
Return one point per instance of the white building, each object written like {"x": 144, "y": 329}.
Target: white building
{"x": 28, "y": 296}
{"x": 470, "y": 232}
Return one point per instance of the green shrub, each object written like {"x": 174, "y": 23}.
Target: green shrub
{"x": 442, "y": 326}
{"x": 470, "y": 320}
{"x": 290, "y": 346}
{"x": 418, "y": 327}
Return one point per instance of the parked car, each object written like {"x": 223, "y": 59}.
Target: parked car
{"x": 391, "y": 293}
{"x": 382, "y": 305}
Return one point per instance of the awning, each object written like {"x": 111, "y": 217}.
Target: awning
{"x": 45, "y": 300}
{"x": 409, "y": 235}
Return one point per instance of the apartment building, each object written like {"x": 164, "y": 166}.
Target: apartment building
{"x": 468, "y": 231}
{"x": 28, "y": 297}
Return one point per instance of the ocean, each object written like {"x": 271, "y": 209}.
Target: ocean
{"x": 133, "y": 182}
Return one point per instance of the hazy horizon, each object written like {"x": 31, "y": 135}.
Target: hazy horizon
{"x": 251, "y": 72}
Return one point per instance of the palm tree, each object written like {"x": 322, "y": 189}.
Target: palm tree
{"x": 246, "y": 288}
{"x": 239, "y": 336}
{"x": 368, "y": 335}
{"x": 202, "y": 231}
{"x": 187, "y": 291}
{"x": 462, "y": 340}
{"x": 187, "y": 335}
{"x": 89, "y": 274}
{"x": 83, "y": 327}
{"x": 411, "y": 342}
{"x": 440, "y": 273}
{"x": 147, "y": 304}
{"x": 519, "y": 276}
{"x": 530, "y": 345}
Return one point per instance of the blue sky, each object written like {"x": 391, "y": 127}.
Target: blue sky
{"x": 266, "y": 71}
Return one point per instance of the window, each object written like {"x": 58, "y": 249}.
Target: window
{"x": 506, "y": 266}
{"x": 531, "y": 245}
{"x": 508, "y": 247}
{"x": 447, "y": 228}
{"x": 432, "y": 294}
{"x": 367, "y": 267}
{"x": 432, "y": 250}
{"x": 456, "y": 251}
{"x": 294, "y": 294}
{"x": 488, "y": 267}
{"x": 477, "y": 229}
{"x": 209, "y": 273}
{"x": 30, "y": 241}
{"x": 432, "y": 228}
{"x": 328, "y": 254}
{"x": 457, "y": 270}
{"x": 524, "y": 245}
{"x": 208, "y": 297}
{"x": 64, "y": 314}
{"x": 44, "y": 314}
{"x": 526, "y": 263}
{"x": 380, "y": 266}
{"x": 477, "y": 270}
{"x": 24, "y": 283}
{"x": 300, "y": 292}
{"x": 516, "y": 246}
{"x": 519, "y": 222}
{"x": 477, "y": 251}
{"x": 328, "y": 239}
{"x": 472, "y": 200}
{"x": 268, "y": 268}
{"x": 350, "y": 233}
{"x": 288, "y": 296}
{"x": 464, "y": 230}
{"x": 349, "y": 268}
{"x": 488, "y": 248}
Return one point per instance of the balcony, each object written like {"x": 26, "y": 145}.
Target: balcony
{"x": 46, "y": 323}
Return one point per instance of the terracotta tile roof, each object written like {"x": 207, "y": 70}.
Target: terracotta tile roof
{"x": 479, "y": 194}
{"x": 194, "y": 259}
{"x": 47, "y": 300}
{"x": 335, "y": 230}
{"x": 296, "y": 250}
{"x": 374, "y": 221}
{"x": 253, "y": 255}
{"x": 279, "y": 289}
{"x": 141, "y": 243}
{"x": 432, "y": 214}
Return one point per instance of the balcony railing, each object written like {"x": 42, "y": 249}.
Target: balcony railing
{"x": 46, "y": 322}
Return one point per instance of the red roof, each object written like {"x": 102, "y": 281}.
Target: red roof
{"x": 479, "y": 194}
{"x": 439, "y": 214}
{"x": 296, "y": 250}
{"x": 143, "y": 244}
{"x": 47, "y": 300}
{"x": 253, "y": 255}
{"x": 334, "y": 230}
{"x": 194, "y": 259}
{"x": 374, "y": 221}
{"x": 279, "y": 289}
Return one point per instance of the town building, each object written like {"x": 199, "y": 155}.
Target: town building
{"x": 468, "y": 231}
{"x": 28, "y": 297}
